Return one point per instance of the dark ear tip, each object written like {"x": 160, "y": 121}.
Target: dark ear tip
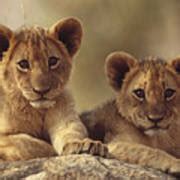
{"x": 5, "y": 31}
{"x": 176, "y": 64}
{"x": 73, "y": 20}
{"x": 117, "y": 56}
{"x": 5, "y": 35}
{"x": 68, "y": 22}
{"x": 177, "y": 67}
{"x": 69, "y": 32}
{"x": 76, "y": 24}
{"x": 117, "y": 65}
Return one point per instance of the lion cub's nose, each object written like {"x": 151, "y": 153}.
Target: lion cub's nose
{"x": 41, "y": 91}
{"x": 155, "y": 119}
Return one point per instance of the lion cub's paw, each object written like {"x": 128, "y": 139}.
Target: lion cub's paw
{"x": 86, "y": 146}
{"x": 175, "y": 169}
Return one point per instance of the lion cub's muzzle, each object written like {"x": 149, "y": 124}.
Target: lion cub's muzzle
{"x": 41, "y": 83}
{"x": 156, "y": 114}
{"x": 156, "y": 119}
{"x": 42, "y": 101}
{"x": 157, "y": 125}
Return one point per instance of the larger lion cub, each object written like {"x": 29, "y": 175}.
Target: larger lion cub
{"x": 142, "y": 124}
{"x": 37, "y": 116}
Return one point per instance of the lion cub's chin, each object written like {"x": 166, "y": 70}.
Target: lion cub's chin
{"x": 41, "y": 104}
{"x": 154, "y": 132}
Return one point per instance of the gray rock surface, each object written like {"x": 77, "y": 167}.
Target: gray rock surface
{"x": 80, "y": 167}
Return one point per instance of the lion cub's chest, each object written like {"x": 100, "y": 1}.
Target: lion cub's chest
{"x": 23, "y": 120}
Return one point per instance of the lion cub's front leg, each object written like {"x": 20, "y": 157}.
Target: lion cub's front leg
{"x": 69, "y": 136}
{"x": 23, "y": 147}
{"x": 73, "y": 140}
{"x": 145, "y": 156}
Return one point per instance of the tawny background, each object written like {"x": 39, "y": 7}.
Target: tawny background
{"x": 140, "y": 27}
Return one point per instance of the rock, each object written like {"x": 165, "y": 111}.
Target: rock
{"x": 80, "y": 167}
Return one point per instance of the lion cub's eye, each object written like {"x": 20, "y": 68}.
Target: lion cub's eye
{"x": 23, "y": 65}
{"x": 169, "y": 94}
{"x": 139, "y": 93}
{"x": 53, "y": 62}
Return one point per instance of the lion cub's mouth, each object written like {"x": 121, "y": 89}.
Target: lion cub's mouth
{"x": 42, "y": 103}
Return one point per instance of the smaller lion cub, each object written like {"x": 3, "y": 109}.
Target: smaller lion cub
{"x": 37, "y": 115}
{"x": 142, "y": 124}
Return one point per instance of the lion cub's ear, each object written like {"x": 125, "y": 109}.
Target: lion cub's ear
{"x": 116, "y": 66}
{"x": 5, "y": 36}
{"x": 69, "y": 32}
{"x": 176, "y": 64}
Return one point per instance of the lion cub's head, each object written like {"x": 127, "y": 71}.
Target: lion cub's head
{"x": 148, "y": 91}
{"x": 37, "y": 62}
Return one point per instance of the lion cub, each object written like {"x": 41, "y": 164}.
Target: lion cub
{"x": 37, "y": 116}
{"x": 142, "y": 124}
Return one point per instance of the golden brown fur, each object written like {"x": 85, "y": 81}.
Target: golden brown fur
{"x": 37, "y": 116}
{"x": 142, "y": 124}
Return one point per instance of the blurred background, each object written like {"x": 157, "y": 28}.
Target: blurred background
{"x": 140, "y": 27}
